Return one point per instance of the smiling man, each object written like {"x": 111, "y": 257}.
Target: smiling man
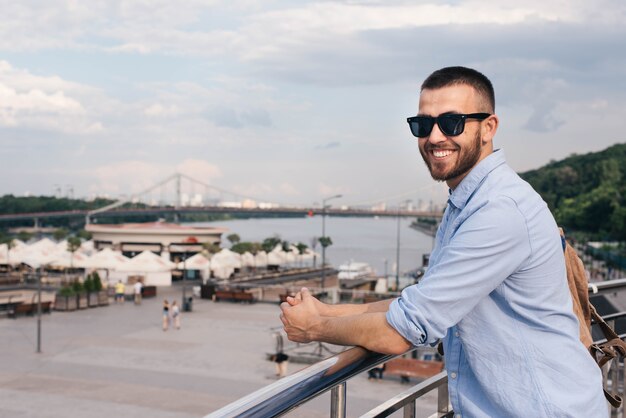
{"x": 496, "y": 290}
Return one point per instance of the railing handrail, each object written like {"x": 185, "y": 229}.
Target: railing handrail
{"x": 287, "y": 393}
{"x": 282, "y": 396}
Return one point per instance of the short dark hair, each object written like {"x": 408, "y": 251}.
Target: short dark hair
{"x": 450, "y": 76}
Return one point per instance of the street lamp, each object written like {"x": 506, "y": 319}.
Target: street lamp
{"x": 324, "y": 236}
{"x": 406, "y": 202}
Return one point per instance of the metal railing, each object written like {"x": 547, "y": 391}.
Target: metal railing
{"x": 333, "y": 373}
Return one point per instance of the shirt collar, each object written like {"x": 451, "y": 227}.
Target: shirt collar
{"x": 465, "y": 189}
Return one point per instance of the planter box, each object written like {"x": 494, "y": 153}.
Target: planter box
{"x": 93, "y": 300}
{"x": 82, "y": 300}
{"x": 65, "y": 303}
{"x": 148, "y": 291}
{"x": 103, "y": 298}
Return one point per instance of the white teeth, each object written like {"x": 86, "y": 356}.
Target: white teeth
{"x": 442, "y": 153}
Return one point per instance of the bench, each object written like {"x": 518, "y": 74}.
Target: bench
{"x": 22, "y": 309}
{"x": 408, "y": 367}
{"x": 29, "y": 309}
{"x": 234, "y": 296}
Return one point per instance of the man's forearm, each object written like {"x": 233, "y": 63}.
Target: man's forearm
{"x": 369, "y": 330}
{"x": 348, "y": 309}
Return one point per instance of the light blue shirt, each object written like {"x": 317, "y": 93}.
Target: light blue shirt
{"x": 496, "y": 292}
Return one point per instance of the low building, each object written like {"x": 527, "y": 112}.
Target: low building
{"x": 161, "y": 238}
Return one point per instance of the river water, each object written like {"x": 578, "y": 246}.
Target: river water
{"x": 370, "y": 240}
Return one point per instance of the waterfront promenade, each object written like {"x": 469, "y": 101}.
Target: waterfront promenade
{"x": 116, "y": 361}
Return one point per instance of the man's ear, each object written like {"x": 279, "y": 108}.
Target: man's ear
{"x": 489, "y": 128}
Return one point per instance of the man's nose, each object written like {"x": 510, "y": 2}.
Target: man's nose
{"x": 436, "y": 136}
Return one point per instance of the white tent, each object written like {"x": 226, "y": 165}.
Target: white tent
{"x": 88, "y": 248}
{"x": 276, "y": 257}
{"x": 227, "y": 258}
{"x": 197, "y": 262}
{"x": 260, "y": 259}
{"x": 35, "y": 259}
{"x": 106, "y": 262}
{"x": 224, "y": 263}
{"x": 247, "y": 260}
{"x": 309, "y": 256}
{"x": 65, "y": 259}
{"x": 18, "y": 243}
{"x": 155, "y": 270}
{"x": 35, "y": 255}
{"x": 44, "y": 245}
{"x": 292, "y": 257}
{"x": 107, "y": 259}
{"x": 62, "y": 245}
{"x": 4, "y": 252}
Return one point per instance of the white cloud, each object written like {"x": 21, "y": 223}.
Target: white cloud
{"x": 325, "y": 190}
{"x": 199, "y": 170}
{"x": 40, "y": 102}
{"x": 135, "y": 176}
{"x": 159, "y": 110}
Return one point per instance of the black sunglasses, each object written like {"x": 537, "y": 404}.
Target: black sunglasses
{"x": 450, "y": 124}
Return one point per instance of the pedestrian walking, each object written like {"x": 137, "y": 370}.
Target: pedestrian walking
{"x": 138, "y": 286}
{"x": 282, "y": 361}
{"x": 120, "y": 289}
{"x": 176, "y": 315}
{"x": 166, "y": 315}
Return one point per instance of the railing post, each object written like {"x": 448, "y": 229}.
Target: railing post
{"x": 409, "y": 410}
{"x": 442, "y": 398}
{"x": 338, "y": 401}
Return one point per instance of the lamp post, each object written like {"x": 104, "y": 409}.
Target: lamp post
{"x": 186, "y": 306}
{"x": 38, "y": 273}
{"x": 324, "y": 236}
{"x": 406, "y": 202}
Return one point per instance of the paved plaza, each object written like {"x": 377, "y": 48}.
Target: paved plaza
{"x": 116, "y": 361}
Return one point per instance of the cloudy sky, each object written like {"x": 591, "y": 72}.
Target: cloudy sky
{"x": 290, "y": 101}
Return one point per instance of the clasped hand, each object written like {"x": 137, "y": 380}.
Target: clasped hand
{"x": 301, "y": 316}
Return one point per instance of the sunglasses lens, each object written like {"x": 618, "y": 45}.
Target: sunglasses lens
{"x": 451, "y": 125}
{"x": 421, "y": 126}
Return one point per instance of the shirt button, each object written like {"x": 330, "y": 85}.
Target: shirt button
{"x": 453, "y": 375}
{"x": 456, "y": 333}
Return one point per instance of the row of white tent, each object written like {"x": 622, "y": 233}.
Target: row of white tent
{"x": 155, "y": 269}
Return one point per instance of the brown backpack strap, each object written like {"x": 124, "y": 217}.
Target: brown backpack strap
{"x": 608, "y": 332}
{"x": 614, "y": 400}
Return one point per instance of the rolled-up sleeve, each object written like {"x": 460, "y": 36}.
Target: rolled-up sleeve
{"x": 488, "y": 246}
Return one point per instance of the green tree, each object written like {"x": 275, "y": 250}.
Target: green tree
{"x": 84, "y": 235}
{"x": 89, "y": 284}
{"x": 325, "y": 241}
{"x": 24, "y": 236}
{"x": 211, "y": 247}
{"x": 242, "y": 247}
{"x": 256, "y": 248}
{"x": 60, "y": 234}
{"x": 586, "y": 192}
{"x": 270, "y": 243}
{"x": 233, "y": 238}
{"x": 97, "y": 282}
{"x": 73, "y": 244}
{"x": 301, "y": 247}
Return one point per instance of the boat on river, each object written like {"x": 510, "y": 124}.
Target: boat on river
{"x": 354, "y": 270}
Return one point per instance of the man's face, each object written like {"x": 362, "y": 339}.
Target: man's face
{"x": 451, "y": 158}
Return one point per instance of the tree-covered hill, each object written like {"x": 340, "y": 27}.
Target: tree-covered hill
{"x": 12, "y": 204}
{"x": 586, "y": 192}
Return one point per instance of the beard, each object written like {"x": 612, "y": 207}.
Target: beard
{"x": 466, "y": 159}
